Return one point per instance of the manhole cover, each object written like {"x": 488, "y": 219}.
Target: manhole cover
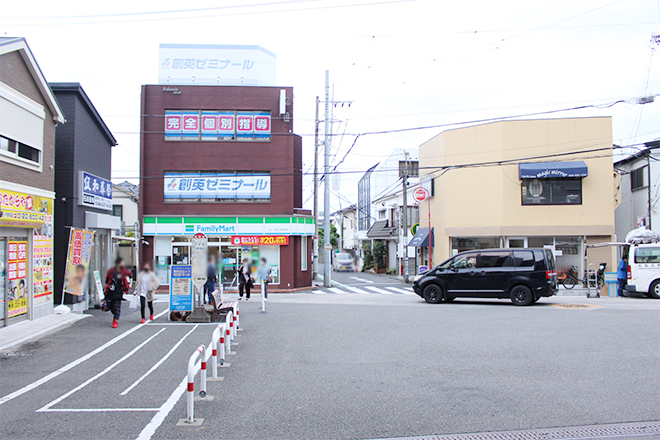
{"x": 574, "y": 306}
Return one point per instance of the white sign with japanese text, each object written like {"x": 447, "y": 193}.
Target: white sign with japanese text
{"x": 217, "y": 186}
{"x": 94, "y": 191}
{"x": 207, "y": 64}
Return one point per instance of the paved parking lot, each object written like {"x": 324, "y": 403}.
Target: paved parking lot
{"x": 348, "y": 367}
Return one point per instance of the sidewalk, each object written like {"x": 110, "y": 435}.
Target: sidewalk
{"x": 24, "y": 331}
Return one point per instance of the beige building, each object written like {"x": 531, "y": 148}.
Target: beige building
{"x": 543, "y": 183}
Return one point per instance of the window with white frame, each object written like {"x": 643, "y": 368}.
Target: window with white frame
{"x": 15, "y": 149}
{"x": 303, "y": 253}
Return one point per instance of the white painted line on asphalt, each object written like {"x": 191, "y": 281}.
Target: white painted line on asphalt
{"x": 106, "y": 370}
{"x": 337, "y": 291}
{"x": 404, "y": 291}
{"x": 70, "y": 365}
{"x": 356, "y": 290}
{"x": 319, "y": 292}
{"x": 378, "y": 290}
{"x": 99, "y": 409}
{"x": 159, "y": 363}
{"x": 164, "y": 410}
{"x": 362, "y": 280}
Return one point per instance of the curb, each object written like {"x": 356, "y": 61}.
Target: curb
{"x": 67, "y": 319}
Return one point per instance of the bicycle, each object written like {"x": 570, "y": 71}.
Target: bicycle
{"x": 570, "y": 279}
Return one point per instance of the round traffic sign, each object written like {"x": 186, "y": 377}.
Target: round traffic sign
{"x": 420, "y": 194}
{"x": 328, "y": 247}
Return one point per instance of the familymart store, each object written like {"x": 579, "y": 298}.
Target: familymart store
{"x": 285, "y": 242}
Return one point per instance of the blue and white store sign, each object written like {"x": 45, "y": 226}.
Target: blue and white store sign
{"x": 181, "y": 293}
{"x": 217, "y": 186}
{"x": 94, "y": 191}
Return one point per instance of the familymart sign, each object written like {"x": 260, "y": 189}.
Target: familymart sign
{"x": 230, "y": 226}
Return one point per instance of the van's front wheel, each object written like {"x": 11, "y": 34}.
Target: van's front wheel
{"x": 521, "y": 296}
{"x": 433, "y": 294}
{"x": 654, "y": 291}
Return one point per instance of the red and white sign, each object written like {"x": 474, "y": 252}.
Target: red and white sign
{"x": 260, "y": 240}
{"x": 420, "y": 194}
{"x": 191, "y": 123}
{"x": 244, "y": 124}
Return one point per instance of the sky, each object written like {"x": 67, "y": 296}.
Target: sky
{"x": 401, "y": 63}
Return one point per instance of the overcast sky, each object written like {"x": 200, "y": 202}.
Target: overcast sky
{"x": 402, "y": 63}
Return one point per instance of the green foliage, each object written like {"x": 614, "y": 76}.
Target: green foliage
{"x": 368, "y": 258}
{"x": 334, "y": 237}
{"x": 379, "y": 252}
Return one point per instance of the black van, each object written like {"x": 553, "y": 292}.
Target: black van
{"x": 523, "y": 275}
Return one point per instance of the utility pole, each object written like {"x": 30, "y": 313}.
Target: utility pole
{"x": 326, "y": 194}
{"x": 405, "y": 220}
{"x": 315, "y": 251}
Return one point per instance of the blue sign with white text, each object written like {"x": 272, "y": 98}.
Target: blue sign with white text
{"x": 181, "y": 292}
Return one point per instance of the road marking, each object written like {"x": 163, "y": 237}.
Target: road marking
{"x": 337, "y": 291}
{"x": 575, "y": 306}
{"x": 319, "y": 292}
{"x": 159, "y": 363}
{"x": 362, "y": 280}
{"x": 163, "y": 411}
{"x": 70, "y": 365}
{"x": 378, "y": 290}
{"x": 98, "y": 409}
{"x": 106, "y": 370}
{"x": 404, "y": 291}
{"x": 356, "y": 290}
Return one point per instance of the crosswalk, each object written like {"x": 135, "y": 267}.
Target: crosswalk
{"x": 362, "y": 290}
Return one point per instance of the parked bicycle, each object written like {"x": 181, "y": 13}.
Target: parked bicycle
{"x": 570, "y": 279}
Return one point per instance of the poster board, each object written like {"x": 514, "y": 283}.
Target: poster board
{"x": 181, "y": 292}
{"x": 77, "y": 262}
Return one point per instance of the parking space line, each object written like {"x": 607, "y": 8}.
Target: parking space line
{"x": 72, "y": 364}
{"x": 163, "y": 411}
{"x": 98, "y": 409}
{"x": 96, "y": 376}
{"x": 159, "y": 363}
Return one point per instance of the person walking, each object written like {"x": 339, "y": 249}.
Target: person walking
{"x": 263, "y": 273}
{"x": 116, "y": 284}
{"x": 146, "y": 286}
{"x": 622, "y": 276}
{"x": 244, "y": 279}
{"x": 211, "y": 278}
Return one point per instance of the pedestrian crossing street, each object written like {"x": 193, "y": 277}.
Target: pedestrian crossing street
{"x": 362, "y": 290}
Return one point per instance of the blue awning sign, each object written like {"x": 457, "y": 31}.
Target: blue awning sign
{"x": 421, "y": 238}
{"x": 553, "y": 170}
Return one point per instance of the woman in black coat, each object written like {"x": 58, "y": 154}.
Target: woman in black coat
{"x": 244, "y": 279}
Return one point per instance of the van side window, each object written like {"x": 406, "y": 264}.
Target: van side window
{"x": 523, "y": 258}
{"x": 495, "y": 259}
{"x": 647, "y": 255}
{"x": 467, "y": 261}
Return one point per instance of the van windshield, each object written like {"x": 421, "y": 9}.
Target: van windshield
{"x": 344, "y": 257}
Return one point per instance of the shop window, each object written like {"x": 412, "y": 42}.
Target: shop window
{"x": 552, "y": 191}
{"x": 462, "y": 244}
{"x": 303, "y": 253}
{"x": 638, "y": 179}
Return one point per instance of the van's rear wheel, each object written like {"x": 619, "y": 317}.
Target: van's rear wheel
{"x": 521, "y": 296}
{"x": 654, "y": 291}
{"x": 433, "y": 294}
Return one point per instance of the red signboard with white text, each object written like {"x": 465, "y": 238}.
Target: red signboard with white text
{"x": 260, "y": 240}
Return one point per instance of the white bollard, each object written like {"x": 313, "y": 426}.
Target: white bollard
{"x": 201, "y": 354}
{"x": 228, "y": 331}
{"x": 263, "y": 296}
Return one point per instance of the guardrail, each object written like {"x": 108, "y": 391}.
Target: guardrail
{"x": 201, "y": 354}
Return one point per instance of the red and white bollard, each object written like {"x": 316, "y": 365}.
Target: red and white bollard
{"x": 217, "y": 337}
{"x": 201, "y": 354}
{"x": 229, "y": 331}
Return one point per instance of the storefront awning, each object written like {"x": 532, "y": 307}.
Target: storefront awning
{"x": 421, "y": 238}
{"x": 552, "y": 170}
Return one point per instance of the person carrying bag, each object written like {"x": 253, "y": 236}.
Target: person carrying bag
{"x": 146, "y": 286}
{"x": 116, "y": 284}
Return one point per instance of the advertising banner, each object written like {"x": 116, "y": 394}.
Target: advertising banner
{"x": 172, "y": 124}
{"x": 190, "y": 125}
{"x": 42, "y": 256}
{"x": 181, "y": 293}
{"x": 22, "y": 210}
{"x": 209, "y": 126}
{"x": 226, "y": 125}
{"x": 77, "y": 262}
{"x": 244, "y": 124}
{"x": 17, "y": 287}
{"x": 94, "y": 191}
{"x": 217, "y": 186}
{"x": 260, "y": 240}
{"x": 262, "y": 125}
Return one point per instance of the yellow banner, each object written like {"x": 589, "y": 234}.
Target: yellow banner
{"x": 20, "y": 210}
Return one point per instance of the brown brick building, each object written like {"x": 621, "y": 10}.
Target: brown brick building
{"x": 223, "y": 160}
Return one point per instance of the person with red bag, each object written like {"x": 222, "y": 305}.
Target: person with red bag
{"x": 116, "y": 284}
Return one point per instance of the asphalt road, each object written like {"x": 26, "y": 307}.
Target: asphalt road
{"x": 348, "y": 367}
